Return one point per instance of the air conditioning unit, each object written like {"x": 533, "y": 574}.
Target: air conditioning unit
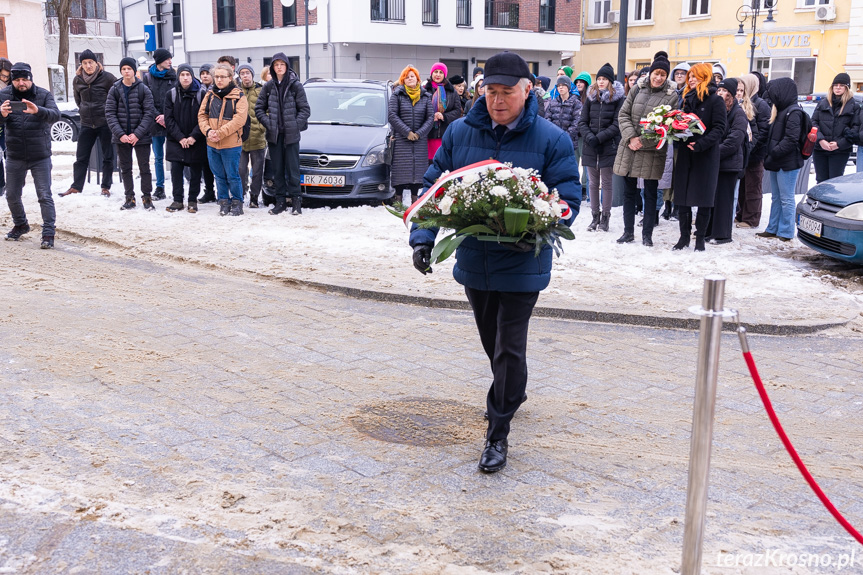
{"x": 614, "y": 16}
{"x": 825, "y": 13}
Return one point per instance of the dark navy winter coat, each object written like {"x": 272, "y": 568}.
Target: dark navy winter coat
{"x": 831, "y": 122}
{"x": 159, "y": 87}
{"x": 731, "y": 148}
{"x": 696, "y": 172}
{"x": 28, "y": 136}
{"x": 410, "y": 159}
{"x": 783, "y": 140}
{"x": 599, "y": 118}
{"x": 133, "y": 115}
{"x": 534, "y": 143}
{"x": 181, "y": 122}
{"x": 762, "y": 121}
{"x": 294, "y": 107}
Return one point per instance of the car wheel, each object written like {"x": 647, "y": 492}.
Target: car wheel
{"x": 62, "y": 131}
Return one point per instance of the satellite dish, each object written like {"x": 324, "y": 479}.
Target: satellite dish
{"x": 287, "y": 3}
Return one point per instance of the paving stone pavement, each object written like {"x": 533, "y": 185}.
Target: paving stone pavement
{"x": 162, "y": 418}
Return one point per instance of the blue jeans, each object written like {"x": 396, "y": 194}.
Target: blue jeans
{"x": 782, "y": 186}
{"x": 225, "y": 164}
{"x": 159, "y": 160}
{"x": 860, "y": 158}
{"x": 16, "y": 174}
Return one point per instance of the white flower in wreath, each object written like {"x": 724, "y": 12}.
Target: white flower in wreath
{"x": 669, "y": 121}
{"x": 445, "y": 205}
{"x": 470, "y": 179}
{"x": 503, "y": 174}
{"x": 555, "y": 209}
{"x": 541, "y": 206}
{"x": 542, "y": 187}
{"x": 499, "y": 191}
{"x": 521, "y": 173}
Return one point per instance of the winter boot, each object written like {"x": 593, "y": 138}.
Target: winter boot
{"x": 253, "y": 201}
{"x": 675, "y": 213}
{"x": 193, "y": 208}
{"x": 147, "y": 202}
{"x": 208, "y": 197}
{"x": 175, "y": 207}
{"x": 594, "y": 222}
{"x": 129, "y": 205}
{"x": 281, "y": 206}
{"x": 224, "y": 207}
{"x": 666, "y": 213}
{"x": 296, "y": 205}
{"x": 646, "y": 240}
{"x": 626, "y": 238}
{"x": 685, "y": 224}
{"x": 236, "y": 208}
{"x": 159, "y": 194}
{"x": 17, "y": 231}
{"x": 603, "y": 221}
{"x": 702, "y": 222}
{"x": 47, "y": 242}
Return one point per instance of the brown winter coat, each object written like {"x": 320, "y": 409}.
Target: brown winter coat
{"x": 232, "y": 111}
{"x": 648, "y": 162}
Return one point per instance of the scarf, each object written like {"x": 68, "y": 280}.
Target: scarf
{"x": 223, "y": 92}
{"x": 156, "y": 72}
{"x": 438, "y": 98}
{"x": 414, "y": 93}
{"x": 88, "y": 78}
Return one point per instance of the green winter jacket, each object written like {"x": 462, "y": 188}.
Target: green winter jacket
{"x": 257, "y": 134}
{"x": 648, "y": 162}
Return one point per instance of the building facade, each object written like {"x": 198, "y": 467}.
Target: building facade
{"x": 809, "y": 41}
{"x": 23, "y": 36}
{"x": 370, "y": 39}
{"x": 854, "y": 60}
{"x": 93, "y": 25}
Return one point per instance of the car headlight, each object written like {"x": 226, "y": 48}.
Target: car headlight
{"x": 852, "y": 212}
{"x": 379, "y": 155}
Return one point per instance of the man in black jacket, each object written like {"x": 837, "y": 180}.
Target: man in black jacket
{"x": 27, "y": 112}
{"x": 90, "y": 86}
{"x": 284, "y": 111}
{"x": 160, "y": 78}
{"x": 130, "y": 114}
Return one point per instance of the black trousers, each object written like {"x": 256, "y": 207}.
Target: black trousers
{"x": 86, "y": 138}
{"x": 209, "y": 180}
{"x": 722, "y": 215}
{"x": 285, "y": 160}
{"x": 502, "y": 320}
{"x": 194, "y": 180}
{"x": 124, "y": 157}
{"x": 829, "y": 165}
{"x": 632, "y": 197}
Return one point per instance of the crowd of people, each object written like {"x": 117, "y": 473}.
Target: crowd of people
{"x": 217, "y": 128}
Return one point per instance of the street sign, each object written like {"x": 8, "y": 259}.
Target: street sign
{"x": 149, "y": 37}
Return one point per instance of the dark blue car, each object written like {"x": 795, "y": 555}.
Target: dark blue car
{"x": 830, "y": 218}
{"x": 345, "y": 154}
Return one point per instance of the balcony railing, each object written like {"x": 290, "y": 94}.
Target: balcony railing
{"x": 388, "y": 10}
{"x": 462, "y": 13}
{"x": 430, "y": 11}
{"x": 82, "y": 27}
{"x": 501, "y": 14}
{"x": 546, "y": 17}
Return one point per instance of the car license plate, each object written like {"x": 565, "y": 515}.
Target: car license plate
{"x": 317, "y": 180}
{"x": 810, "y": 226}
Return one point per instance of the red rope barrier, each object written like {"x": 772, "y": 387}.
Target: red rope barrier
{"x": 793, "y": 453}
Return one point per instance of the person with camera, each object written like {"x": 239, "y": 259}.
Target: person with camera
{"x": 26, "y": 114}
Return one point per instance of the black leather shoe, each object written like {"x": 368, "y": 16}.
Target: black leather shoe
{"x": 493, "y": 457}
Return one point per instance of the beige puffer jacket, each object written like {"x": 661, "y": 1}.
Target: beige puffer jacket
{"x": 233, "y": 111}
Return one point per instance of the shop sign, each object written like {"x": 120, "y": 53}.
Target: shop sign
{"x": 792, "y": 45}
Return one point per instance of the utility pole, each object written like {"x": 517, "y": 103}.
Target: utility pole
{"x": 621, "y": 42}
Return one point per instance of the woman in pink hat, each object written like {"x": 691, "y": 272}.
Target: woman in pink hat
{"x": 445, "y": 103}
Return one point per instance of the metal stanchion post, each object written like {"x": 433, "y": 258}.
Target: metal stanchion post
{"x": 702, "y": 421}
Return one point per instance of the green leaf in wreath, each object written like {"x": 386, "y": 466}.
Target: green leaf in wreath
{"x": 395, "y": 212}
{"x": 440, "y": 246}
{"x": 515, "y": 220}
{"x": 476, "y": 229}
{"x": 451, "y": 242}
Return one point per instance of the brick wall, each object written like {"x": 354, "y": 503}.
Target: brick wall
{"x": 567, "y": 15}
{"x": 248, "y": 14}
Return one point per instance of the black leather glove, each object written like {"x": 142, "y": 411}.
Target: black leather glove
{"x": 520, "y": 246}
{"x": 422, "y": 258}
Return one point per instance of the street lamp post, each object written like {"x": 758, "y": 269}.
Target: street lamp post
{"x": 752, "y": 11}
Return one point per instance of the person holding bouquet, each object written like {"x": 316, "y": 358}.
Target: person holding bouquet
{"x": 410, "y": 115}
{"x": 638, "y": 157}
{"x": 446, "y": 106}
{"x": 696, "y": 172}
{"x": 502, "y": 281}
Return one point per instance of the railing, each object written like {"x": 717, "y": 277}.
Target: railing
{"x": 388, "y": 10}
{"x": 546, "y": 17}
{"x": 501, "y": 14}
{"x": 462, "y": 13}
{"x": 86, "y": 27}
{"x": 430, "y": 11}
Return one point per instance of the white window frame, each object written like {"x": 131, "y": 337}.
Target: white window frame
{"x": 592, "y": 14}
{"x": 801, "y": 4}
{"x": 685, "y": 15}
{"x": 634, "y": 19}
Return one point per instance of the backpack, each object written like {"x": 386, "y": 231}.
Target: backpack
{"x": 199, "y": 96}
{"x": 805, "y": 128}
{"x": 247, "y": 127}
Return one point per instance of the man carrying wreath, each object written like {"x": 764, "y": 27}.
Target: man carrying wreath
{"x": 503, "y": 280}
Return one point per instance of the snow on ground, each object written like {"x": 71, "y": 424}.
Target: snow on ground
{"x": 366, "y": 247}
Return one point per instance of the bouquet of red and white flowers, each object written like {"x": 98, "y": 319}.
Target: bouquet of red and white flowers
{"x": 666, "y": 125}
{"x": 491, "y": 201}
